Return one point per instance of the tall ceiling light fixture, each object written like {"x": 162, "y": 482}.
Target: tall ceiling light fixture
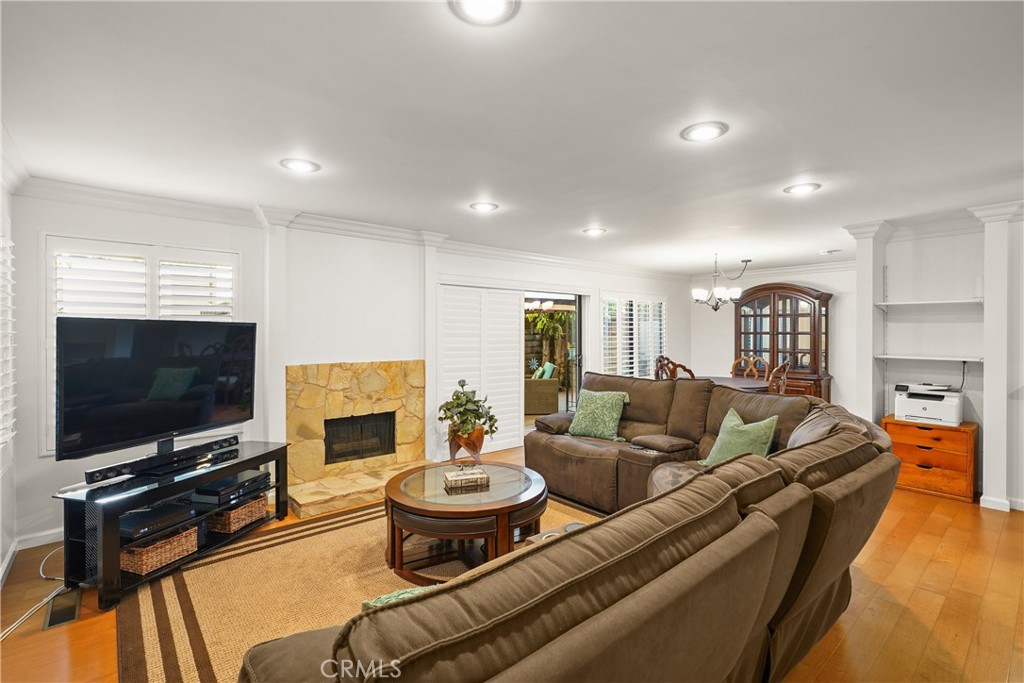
{"x": 716, "y": 297}
{"x": 484, "y": 12}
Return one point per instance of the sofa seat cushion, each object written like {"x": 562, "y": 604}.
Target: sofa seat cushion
{"x": 577, "y": 467}
{"x": 598, "y": 414}
{"x": 669, "y": 475}
{"x": 478, "y": 628}
{"x": 820, "y": 462}
{"x": 664, "y": 443}
{"x": 791, "y": 410}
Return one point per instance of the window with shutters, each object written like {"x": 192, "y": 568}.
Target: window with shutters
{"x": 6, "y": 336}
{"x": 97, "y": 279}
{"x": 632, "y": 335}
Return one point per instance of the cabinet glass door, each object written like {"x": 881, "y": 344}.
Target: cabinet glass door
{"x": 755, "y": 328}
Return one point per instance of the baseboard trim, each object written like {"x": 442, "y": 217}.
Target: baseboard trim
{"x": 40, "y": 538}
{"x": 8, "y": 562}
{"x": 1017, "y": 503}
{"x": 993, "y": 503}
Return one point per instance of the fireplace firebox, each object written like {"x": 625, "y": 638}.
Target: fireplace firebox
{"x": 359, "y": 436}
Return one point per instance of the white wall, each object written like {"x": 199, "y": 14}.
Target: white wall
{"x": 8, "y": 517}
{"x": 712, "y": 333}
{"x": 38, "y": 474}
{"x": 1015, "y": 378}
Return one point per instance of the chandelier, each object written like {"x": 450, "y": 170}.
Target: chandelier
{"x": 716, "y": 297}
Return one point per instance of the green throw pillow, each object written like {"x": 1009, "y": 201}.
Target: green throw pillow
{"x": 549, "y": 369}
{"x": 598, "y": 414}
{"x": 539, "y": 373}
{"x": 170, "y": 383}
{"x": 398, "y": 595}
{"x": 736, "y": 438}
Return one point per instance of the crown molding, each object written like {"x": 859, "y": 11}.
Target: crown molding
{"x": 340, "y": 226}
{"x": 948, "y": 228}
{"x": 879, "y": 230}
{"x": 13, "y": 170}
{"x": 269, "y": 217}
{"x": 992, "y": 213}
{"x": 60, "y": 191}
{"x": 481, "y": 251}
{"x": 785, "y": 271}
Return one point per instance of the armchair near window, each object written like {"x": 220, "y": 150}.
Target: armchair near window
{"x": 540, "y": 396}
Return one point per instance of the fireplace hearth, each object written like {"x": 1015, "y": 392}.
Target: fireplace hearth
{"x": 358, "y": 436}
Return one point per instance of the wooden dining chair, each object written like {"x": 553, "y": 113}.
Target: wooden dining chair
{"x": 666, "y": 368}
{"x": 777, "y": 380}
{"x": 746, "y": 366}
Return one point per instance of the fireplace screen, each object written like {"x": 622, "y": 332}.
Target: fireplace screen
{"x": 360, "y": 436}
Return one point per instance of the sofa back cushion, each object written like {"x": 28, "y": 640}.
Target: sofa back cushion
{"x": 753, "y": 407}
{"x": 689, "y": 408}
{"x": 649, "y": 402}
{"x": 828, "y": 418}
{"x": 819, "y": 462}
{"x": 653, "y": 635}
{"x": 751, "y": 477}
{"x": 476, "y": 628}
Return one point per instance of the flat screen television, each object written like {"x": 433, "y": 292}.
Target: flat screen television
{"x": 123, "y": 383}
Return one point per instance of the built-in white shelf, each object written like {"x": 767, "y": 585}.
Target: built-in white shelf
{"x": 947, "y": 302}
{"x": 955, "y": 359}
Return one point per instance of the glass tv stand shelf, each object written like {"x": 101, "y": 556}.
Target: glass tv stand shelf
{"x": 92, "y": 534}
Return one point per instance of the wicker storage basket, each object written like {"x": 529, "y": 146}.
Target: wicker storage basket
{"x": 149, "y": 558}
{"x": 230, "y": 521}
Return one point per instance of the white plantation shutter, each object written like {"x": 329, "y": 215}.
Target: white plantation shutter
{"x": 632, "y": 335}
{"x": 100, "y": 286}
{"x": 6, "y": 338}
{"x": 481, "y": 334}
{"x": 196, "y": 291}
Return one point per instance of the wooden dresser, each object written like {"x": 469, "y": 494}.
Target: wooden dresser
{"x": 936, "y": 459}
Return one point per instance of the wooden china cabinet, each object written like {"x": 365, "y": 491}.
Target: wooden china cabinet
{"x": 781, "y": 322}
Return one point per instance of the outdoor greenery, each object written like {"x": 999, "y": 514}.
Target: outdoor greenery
{"x": 464, "y": 411}
{"x": 553, "y": 327}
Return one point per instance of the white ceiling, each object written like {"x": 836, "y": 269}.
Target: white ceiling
{"x": 567, "y": 116}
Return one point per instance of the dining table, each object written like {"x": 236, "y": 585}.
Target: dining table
{"x": 742, "y": 383}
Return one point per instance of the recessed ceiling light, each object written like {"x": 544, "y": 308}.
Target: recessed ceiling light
{"x": 829, "y": 252}
{"x": 484, "y": 207}
{"x": 709, "y": 130}
{"x": 594, "y": 232}
{"x": 300, "y": 165}
{"x": 484, "y": 12}
{"x": 802, "y": 188}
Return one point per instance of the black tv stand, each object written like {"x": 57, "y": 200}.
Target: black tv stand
{"x": 92, "y": 539}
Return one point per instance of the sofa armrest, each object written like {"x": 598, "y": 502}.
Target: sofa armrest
{"x": 556, "y": 423}
{"x": 664, "y": 443}
{"x": 634, "y": 468}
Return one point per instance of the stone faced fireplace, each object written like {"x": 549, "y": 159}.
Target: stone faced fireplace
{"x": 334, "y": 461}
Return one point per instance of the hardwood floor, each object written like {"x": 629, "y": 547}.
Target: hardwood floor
{"x": 937, "y": 596}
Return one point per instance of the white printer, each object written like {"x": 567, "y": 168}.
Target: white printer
{"x": 932, "y": 403}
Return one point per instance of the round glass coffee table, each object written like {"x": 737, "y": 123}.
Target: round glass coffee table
{"x": 417, "y": 504}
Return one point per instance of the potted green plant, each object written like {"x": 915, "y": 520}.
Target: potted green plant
{"x": 469, "y": 419}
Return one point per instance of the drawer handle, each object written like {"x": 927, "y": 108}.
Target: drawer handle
{"x": 926, "y": 429}
{"x": 926, "y": 448}
{"x": 924, "y": 467}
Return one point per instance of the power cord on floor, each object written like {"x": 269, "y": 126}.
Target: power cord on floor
{"x": 42, "y": 603}
{"x": 48, "y": 556}
{"x": 39, "y": 605}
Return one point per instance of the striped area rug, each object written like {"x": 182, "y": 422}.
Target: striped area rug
{"x": 196, "y": 624}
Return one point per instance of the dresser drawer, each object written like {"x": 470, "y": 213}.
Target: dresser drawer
{"x": 924, "y": 435}
{"x": 936, "y": 479}
{"x": 933, "y": 457}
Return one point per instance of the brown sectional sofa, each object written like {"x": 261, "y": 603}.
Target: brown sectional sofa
{"x": 729, "y": 573}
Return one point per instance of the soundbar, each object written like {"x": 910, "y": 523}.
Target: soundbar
{"x": 166, "y": 462}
